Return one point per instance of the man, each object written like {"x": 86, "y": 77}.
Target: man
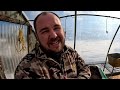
{"x": 51, "y": 58}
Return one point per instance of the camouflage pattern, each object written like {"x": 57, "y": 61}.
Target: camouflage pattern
{"x": 36, "y": 65}
{"x": 2, "y": 74}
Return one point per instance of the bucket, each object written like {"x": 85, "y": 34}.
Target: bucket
{"x": 114, "y": 59}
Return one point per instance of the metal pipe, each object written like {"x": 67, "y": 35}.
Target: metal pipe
{"x": 86, "y": 15}
{"x": 75, "y": 28}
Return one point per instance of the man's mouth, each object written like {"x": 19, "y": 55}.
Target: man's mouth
{"x": 54, "y": 44}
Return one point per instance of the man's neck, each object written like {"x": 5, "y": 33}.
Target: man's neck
{"x": 54, "y": 55}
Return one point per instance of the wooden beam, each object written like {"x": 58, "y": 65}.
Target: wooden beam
{"x": 12, "y": 20}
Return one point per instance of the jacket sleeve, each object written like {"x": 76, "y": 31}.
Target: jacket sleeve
{"x": 31, "y": 71}
{"x": 83, "y": 70}
{"x": 21, "y": 74}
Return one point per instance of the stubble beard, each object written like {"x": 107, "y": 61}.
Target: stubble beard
{"x": 51, "y": 51}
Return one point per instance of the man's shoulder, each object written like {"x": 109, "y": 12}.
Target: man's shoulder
{"x": 29, "y": 57}
{"x": 70, "y": 49}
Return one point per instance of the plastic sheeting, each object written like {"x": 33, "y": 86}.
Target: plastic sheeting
{"x": 9, "y": 54}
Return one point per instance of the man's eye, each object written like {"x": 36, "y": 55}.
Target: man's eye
{"x": 57, "y": 28}
{"x": 44, "y": 31}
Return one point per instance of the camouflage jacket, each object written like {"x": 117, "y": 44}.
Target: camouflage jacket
{"x": 36, "y": 65}
{"x": 2, "y": 74}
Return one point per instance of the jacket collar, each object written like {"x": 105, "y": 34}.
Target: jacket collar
{"x": 40, "y": 54}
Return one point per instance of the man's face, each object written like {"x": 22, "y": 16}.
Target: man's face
{"x": 50, "y": 32}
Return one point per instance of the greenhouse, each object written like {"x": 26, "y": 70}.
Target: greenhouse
{"x": 93, "y": 34}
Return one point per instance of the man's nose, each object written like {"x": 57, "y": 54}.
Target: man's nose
{"x": 53, "y": 34}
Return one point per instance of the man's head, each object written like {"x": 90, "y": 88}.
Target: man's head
{"x": 50, "y": 33}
